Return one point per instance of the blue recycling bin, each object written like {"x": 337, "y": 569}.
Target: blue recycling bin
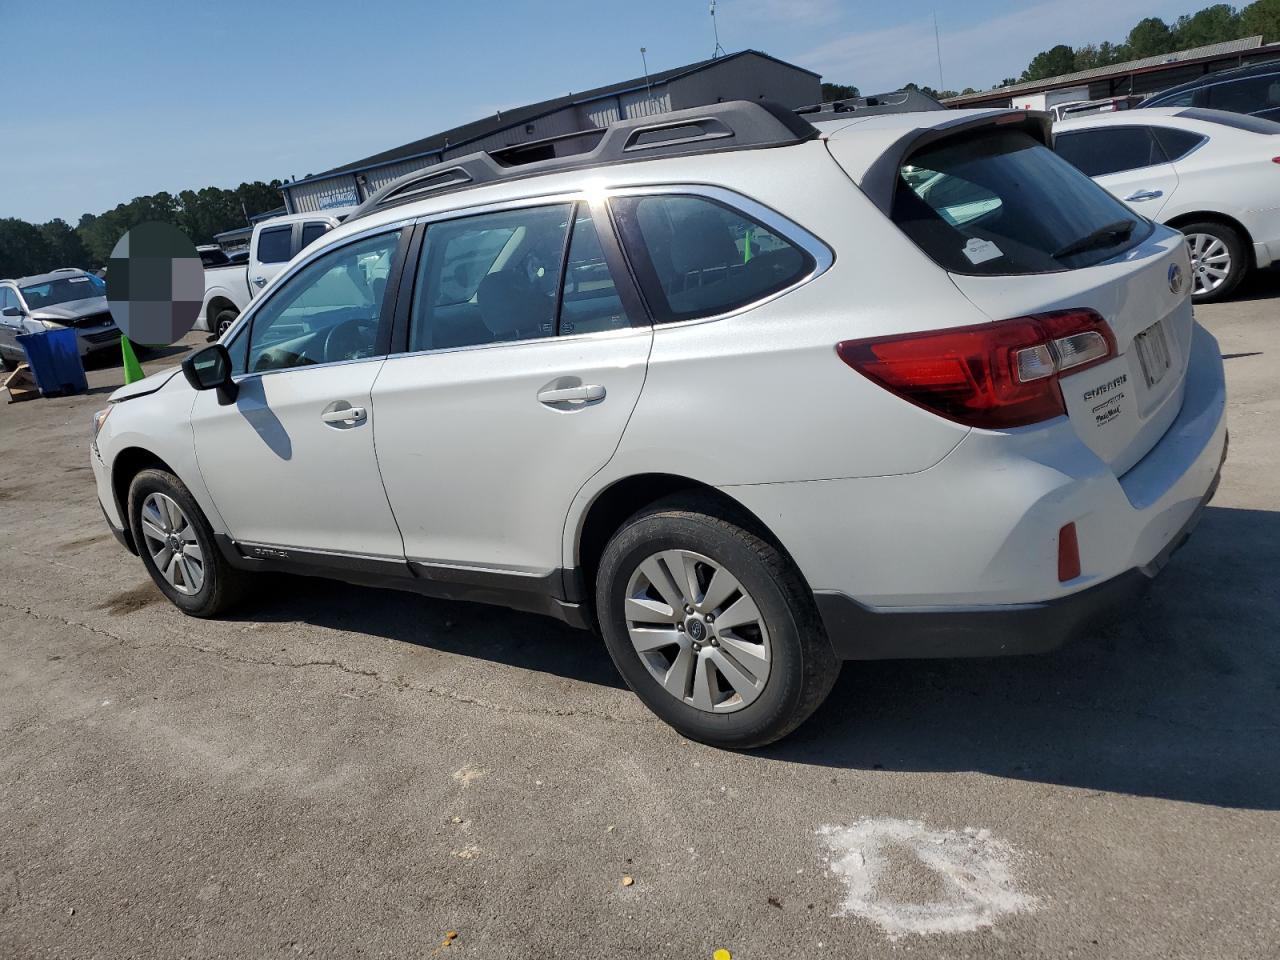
{"x": 54, "y": 358}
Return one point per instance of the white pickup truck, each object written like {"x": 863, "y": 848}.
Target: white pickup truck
{"x": 228, "y": 290}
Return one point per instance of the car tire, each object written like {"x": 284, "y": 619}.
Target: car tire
{"x": 222, "y": 320}
{"x": 747, "y": 683}
{"x": 205, "y": 589}
{"x": 1213, "y": 240}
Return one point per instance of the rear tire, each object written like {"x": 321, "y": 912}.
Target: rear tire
{"x": 222, "y": 320}
{"x": 177, "y": 547}
{"x": 738, "y": 684}
{"x": 1219, "y": 259}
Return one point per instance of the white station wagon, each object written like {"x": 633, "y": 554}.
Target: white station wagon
{"x": 749, "y": 395}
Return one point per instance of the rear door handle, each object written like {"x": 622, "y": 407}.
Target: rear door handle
{"x": 587, "y": 393}
{"x": 260, "y": 281}
{"x": 345, "y": 415}
{"x": 1145, "y": 195}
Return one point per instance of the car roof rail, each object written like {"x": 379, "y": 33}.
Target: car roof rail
{"x": 715, "y": 128}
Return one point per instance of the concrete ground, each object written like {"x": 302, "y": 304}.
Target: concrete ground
{"x": 341, "y": 772}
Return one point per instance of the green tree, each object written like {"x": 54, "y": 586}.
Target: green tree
{"x": 838, "y": 91}
{"x": 1262, "y": 17}
{"x": 65, "y": 247}
{"x": 1051, "y": 63}
{"x": 1149, "y": 38}
{"x": 23, "y": 249}
{"x": 1214, "y": 24}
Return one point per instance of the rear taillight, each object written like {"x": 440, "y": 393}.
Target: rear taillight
{"x": 992, "y": 375}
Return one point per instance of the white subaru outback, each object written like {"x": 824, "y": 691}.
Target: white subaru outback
{"x": 749, "y": 395}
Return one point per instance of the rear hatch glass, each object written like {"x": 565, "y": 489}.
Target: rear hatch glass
{"x": 1023, "y": 232}
{"x": 1001, "y": 203}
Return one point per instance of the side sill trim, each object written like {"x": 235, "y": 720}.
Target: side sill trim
{"x": 531, "y": 594}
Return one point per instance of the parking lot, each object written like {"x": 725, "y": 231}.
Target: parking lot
{"x": 344, "y": 772}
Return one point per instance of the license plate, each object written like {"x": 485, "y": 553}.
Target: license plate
{"x": 1153, "y": 353}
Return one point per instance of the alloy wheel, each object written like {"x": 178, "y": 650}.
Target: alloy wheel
{"x": 1210, "y": 262}
{"x": 171, "y": 541}
{"x": 697, "y": 631}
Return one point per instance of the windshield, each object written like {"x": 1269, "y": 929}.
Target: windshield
{"x": 63, "y": 290}
{"x": 1001, "y": 203}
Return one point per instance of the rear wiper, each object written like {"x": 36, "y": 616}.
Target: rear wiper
{"x": 1112, "y": 233}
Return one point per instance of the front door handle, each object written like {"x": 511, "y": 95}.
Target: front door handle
{"x": 1145, "y": 195}
{"x": 260, "y": 281}
{"x": 587, "y": 393}
{"x": 345, "y": 415}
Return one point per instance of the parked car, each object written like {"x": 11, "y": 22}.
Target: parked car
{"x": 1213, "y": 175}
{"x": 229, "y": 288}
{"x": 738, "y": 391}
{"x": 212, "y": 255}
{"x": 1254, "y": 90}
{"x": 1081, "y": 108}
{"x": 65, "y": 297}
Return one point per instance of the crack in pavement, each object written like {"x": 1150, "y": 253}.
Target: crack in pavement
{"x": 398, "y": 682}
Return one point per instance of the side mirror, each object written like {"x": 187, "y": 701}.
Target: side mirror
{"x": 210, "y": 369}
{"x": 11, "y": 312}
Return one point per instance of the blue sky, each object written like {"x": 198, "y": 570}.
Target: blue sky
{"x": 107, "y": 101}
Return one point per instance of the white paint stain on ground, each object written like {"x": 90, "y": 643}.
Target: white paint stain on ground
{"x": 970, "y": 873}
{"x": 468, "y": 775}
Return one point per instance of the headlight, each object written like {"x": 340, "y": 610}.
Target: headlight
{"x": 99, "y": 419}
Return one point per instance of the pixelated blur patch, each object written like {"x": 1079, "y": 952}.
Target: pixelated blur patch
{"x": 155, "y": 284}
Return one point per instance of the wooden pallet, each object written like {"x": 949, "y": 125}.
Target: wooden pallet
{"x": 21, "y": 385}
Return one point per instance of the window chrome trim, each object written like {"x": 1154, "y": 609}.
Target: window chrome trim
{"x": 823, "y": 256}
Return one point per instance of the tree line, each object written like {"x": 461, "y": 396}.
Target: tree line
{"x": 1150, "y": 37}
{"x": 30, "y": 248}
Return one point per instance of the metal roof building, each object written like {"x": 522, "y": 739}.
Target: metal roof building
{"x": 548, "y": 128}
{"x": 1142, "y": 77}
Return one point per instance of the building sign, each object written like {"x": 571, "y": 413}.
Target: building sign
{"x": 344, "y": 198}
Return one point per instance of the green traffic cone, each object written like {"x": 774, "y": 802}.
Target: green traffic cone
{"x": 132, "y": 368}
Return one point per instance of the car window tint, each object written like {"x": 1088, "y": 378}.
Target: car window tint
{"x": 1001, "y": 203}
{"x": 699, "y": 258}
{"x": 273, "y": 245}
{"x": 328, "y": 311}
{"x": 590, "y": 302}
{"x": 1109, "y": 149}
{"x": 6, "y": 298}
{"x": 1177, "y": 143}
{"x": 311, "y": 232}
{"x": 490, "y": 278}
{"x": 1245, "y": 96}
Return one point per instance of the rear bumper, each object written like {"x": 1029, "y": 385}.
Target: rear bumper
{"x": 858, "y": 632}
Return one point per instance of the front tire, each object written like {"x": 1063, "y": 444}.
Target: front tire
{"x": 1219, "y": 259}
{"x": 177, "y": 547}
{"x": 712, "y": 626}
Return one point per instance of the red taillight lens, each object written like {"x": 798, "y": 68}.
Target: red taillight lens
{"x": 993, "y": 375}
{"x": 1068, "y": 553}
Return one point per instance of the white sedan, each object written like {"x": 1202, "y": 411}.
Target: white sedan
{"x": 1213, "y": 175}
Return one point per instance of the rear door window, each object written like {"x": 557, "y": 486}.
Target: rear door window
{"x": 273, "y": 244}
{"x": 311, "y": 232}
{"x": 697, "y": 257}
{"x": 1110, "y": 149}
{"x": 1001, "y": 203}
{"x": 1250, "y": 95}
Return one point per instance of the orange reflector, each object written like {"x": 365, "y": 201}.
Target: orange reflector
{"x": 1068, "y": 554}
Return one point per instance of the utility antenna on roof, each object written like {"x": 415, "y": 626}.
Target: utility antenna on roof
{"x": 648, "y": 87}
{"x": 715, "y": 28}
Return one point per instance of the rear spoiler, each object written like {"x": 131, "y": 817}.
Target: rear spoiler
{"x": 881, "y": 178}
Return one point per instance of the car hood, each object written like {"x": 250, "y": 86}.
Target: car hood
{"x": 68, "y": 313}
{"x": 144, "y": 386}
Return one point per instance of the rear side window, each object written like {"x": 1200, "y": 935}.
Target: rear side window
{"x": 311, "y": 232}
{"x": 697, "y": 258}
{"x": 1110, "y": 149}
{"x": 273, "y": 245}
{"x": 1249, "y": 95}
{"x": 1177, "y": 143}
{"x": 1001, "y": 203}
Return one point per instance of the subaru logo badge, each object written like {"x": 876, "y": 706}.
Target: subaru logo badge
{"x": 1175, "y": 278}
